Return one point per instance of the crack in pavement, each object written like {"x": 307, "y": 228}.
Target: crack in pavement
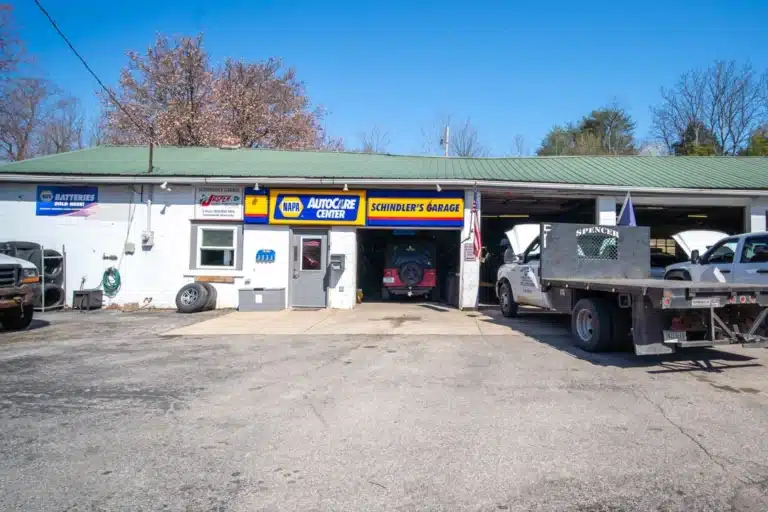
{"x": 703, "y": 448}
{"x": 686, "y": 434}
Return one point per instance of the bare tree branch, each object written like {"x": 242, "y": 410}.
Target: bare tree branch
{"x": 519, "y": 144}
{"x": 724, "y": 100}
{"x": 375, "y": 141}
{"x": 465, "y": 142}
{"x": 21, "y": 116}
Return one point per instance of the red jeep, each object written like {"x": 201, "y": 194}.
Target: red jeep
{"x": 409, "y": 269}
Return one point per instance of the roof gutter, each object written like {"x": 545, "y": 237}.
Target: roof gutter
{"x": 340, "y": 182}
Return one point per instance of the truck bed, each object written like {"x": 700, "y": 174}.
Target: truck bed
{"x": 644, "y": 286}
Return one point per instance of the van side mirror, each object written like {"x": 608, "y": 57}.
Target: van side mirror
{"x": 695, "y": 256}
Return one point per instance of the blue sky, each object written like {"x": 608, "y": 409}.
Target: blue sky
{"x": 512, "y": 67}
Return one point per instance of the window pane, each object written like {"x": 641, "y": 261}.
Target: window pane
{"x": 724, "y": 253}
{"x": 218, "y": 238}
{"x": 217, "y": 257}
{"x": 311, "y": 253}
{"x": 756, "y": 250}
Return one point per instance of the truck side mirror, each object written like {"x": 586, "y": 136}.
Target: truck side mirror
{"x": 511, "y": 257}
{"x": 695, "y": 256}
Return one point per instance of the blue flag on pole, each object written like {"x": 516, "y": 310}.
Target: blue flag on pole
{"x": 627, "y": 213}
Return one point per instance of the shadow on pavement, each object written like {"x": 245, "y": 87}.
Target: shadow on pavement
{"x": 554, "y": 330}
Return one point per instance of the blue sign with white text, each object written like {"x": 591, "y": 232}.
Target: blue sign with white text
{"x": 65, "y": 200}
{"x": 317, "y": 207}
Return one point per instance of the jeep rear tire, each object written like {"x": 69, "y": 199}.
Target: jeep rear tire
{"x": 17, "y": 319}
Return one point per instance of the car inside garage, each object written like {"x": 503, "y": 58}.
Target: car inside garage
{"x": 408, "y": 264}
{"x": 678, "y": 230}
{"x": 503, "y": 210}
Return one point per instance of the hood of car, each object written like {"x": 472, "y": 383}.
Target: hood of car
{"x": 521, "y": 236}
{"x": 5, "y": 260}
{"x": 697, "y": 240}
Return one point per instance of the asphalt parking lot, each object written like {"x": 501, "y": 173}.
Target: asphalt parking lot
{"x": 100, "y": 411}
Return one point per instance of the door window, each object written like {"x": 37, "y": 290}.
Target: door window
{"x": 533, "y": 253}
{"x": 311, "y": 253}
{"x": 755, "y": 250}
{"x": 721, "y": 252}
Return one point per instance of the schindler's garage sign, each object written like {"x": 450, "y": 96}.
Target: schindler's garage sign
{"x": 416, "y": 208}
{"x": 219, "y": 203}
{"x": 61, "y": 200}
{"x": 317, "y": 207}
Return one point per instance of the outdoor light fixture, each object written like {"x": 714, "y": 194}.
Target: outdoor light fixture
{"x": 165, "y": 186}
{"x": 697, "y": 216}
{"x": 439, "y": 188}
{"x": 255, "y": 186}
{"x": 346, "y": 188}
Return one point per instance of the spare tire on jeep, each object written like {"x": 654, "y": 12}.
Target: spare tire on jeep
{"x": 411, "y": 273}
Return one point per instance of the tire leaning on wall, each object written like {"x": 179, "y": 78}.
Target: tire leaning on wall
{"x": 212, "y": 295}
{"x": 192, "y": 298}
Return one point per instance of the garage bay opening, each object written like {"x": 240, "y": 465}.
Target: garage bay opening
{"x": 408, "y": 265}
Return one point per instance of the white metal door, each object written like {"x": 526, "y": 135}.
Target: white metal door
{"x": 308, "y": 268}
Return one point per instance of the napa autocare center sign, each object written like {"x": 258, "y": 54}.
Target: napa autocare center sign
{"x": 219, "y": 203}
{"x": 317, "y": 207}
{"x": 65, "y": 200}
{"x": 416, "y": 208}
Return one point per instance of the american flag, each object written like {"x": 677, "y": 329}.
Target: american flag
{"x": 477, "y": 243}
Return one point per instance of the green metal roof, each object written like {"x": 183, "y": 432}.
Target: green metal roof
{"x": 622, "y": 171}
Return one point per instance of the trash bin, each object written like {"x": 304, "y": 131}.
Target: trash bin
{"x": 261, "y": 299}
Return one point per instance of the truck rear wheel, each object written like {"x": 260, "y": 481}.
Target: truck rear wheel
{"x": 17, "y": 319}
{"x": 507, "y": 300}
{"x": 591, "y": 325}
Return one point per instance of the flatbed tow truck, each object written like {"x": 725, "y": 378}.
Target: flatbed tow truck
{"x": 600, "y": 276}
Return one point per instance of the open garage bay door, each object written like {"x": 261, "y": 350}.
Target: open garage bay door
{"x": 408, "y": 265}
{"x": 503, "y": 210}
{"x": 665, "y": 222}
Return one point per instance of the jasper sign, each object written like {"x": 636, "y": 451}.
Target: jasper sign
{"x": 219, "y": 203}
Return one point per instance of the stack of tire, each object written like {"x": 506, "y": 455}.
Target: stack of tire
{"x": 51, "y": 271}
{"x": 195, "y": 297}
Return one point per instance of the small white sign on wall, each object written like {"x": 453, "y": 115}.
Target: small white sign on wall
{"x": 219, "y": 203}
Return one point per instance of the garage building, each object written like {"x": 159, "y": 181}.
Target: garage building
{"x": 315, "y": 229}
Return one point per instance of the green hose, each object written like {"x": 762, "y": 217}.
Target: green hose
{"x": 110, "y": 281}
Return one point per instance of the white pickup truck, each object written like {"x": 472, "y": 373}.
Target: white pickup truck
{"x": 728, "y": 259}
{"x": 734, "y": 259}
{"x": 19, "y": 283}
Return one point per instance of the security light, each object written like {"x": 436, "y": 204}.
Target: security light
{"x": 346, "y": 188}
{"x": 439, "y": 188}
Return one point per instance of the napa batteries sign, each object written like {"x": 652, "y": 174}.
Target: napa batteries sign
{"x": 416, "y": 208}
{"x": 61, "y": 200}
{"x": 317, "y": 207}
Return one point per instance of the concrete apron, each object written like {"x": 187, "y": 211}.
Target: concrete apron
{"x": 374, "y": 318}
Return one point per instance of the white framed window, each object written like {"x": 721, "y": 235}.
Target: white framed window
{"x": 217, "y": 247}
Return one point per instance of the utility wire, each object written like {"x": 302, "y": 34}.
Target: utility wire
{"x": 141, "y": 128}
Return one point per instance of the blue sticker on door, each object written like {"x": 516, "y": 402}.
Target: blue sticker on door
{"x": 65, "y": 200}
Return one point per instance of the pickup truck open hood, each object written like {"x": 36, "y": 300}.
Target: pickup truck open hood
{"x": 521, "y": 236}
{"x": 697, "y": 240}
